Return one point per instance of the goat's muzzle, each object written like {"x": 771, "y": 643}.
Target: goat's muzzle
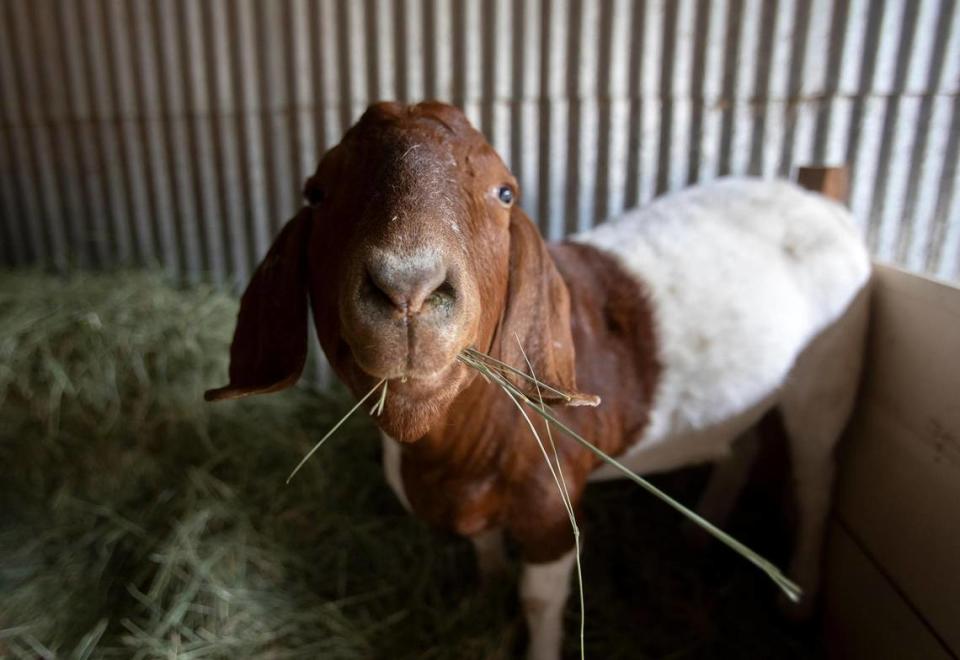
{"x": 406, "y": 314}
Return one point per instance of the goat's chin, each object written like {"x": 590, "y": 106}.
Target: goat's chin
{"x": 414, "y": 405}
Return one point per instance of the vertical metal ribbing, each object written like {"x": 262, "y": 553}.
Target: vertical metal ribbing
{"x": 769, "y": 36}
{"x": 830, "y": 109}
{"x": 816, "y": 28}
{"x": 327, "y": 80}
{"x": 943, "y": 252}
{"x": 51, "y": 133}
{"x": 525, "y": 129}
{"x": 553, "y": 119}
{"x": 921, "y": 235}
{"x": 682, "y": 92}
{"x": 518, "y": 57}
{"x": 668, "y": 57}
{"x": 303, "y": 149}
{"x": 866, "y": 121}
{"x": 382, "y": 64}
{"x": 731, "y": 53}
{"x": 797, "y": 83}
{"x": 178, "y": 161}
{"x": 649, "y": 92}
{"x": 198, "y": 105}
{"x": 13, "y": 232}
{"x": 246, "y": 75}
{"x": 614, "y": 63}
{"x": 122, "y": 121}
{"x": 941, "y": 246}
{"x": 605, "y": 83}
{"x": 24, "y": 170}
{"x": 226, "y": 150}
{"x": 742, "y": 100}
{"x": 888, "y": 182}
{"x": 152, "y": 135}
{"x": 179, "y": 133}
{"x": 502, "y": 68}
{"x": 109, "y": 141}
{"x": 924, "y": 73}
{"x": 545, "y": 118}
{"x": 582, "y": 60}
{"x": 14, "y": 250}
{"x": 698, "y": 110}
{"x": 714, "y": 85}
{"x": 133, "y": 115}
{"x": 782, "y": 101}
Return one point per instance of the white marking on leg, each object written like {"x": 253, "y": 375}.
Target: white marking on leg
{"x": 544, "y": 589}
{"x": 391, "y": 469}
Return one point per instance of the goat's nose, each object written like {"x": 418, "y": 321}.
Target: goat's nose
{"x": 407, "y": 283}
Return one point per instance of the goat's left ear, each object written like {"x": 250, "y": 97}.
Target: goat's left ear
{"x": 537, "y": 313}
{"x": 269, "y": 345}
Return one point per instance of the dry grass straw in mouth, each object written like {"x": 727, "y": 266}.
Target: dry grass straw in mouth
{"x": 497, "y": 372}
{"x": 376, "y": 410}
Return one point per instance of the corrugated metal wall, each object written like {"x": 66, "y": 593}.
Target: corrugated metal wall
{"x": 179, "y": 132}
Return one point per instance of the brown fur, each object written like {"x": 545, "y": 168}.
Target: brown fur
{"x": 410, "y": 180}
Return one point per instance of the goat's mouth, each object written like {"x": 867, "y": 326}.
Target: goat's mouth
{"x": 407, "y": 374}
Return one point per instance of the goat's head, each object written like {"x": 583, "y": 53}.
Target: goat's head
{"x": 411, "y": 250}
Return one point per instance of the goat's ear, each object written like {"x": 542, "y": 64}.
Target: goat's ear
{"x": 269, "y": 345}
{"x": 537, "y": 316}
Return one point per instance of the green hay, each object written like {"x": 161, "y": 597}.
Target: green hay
{"x": 138, "y": 521}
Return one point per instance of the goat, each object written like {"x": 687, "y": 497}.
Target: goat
{"x": 690, "y": 318}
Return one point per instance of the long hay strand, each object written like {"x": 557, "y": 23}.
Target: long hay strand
{"x": 555, "y": 471}
{"x": 789, "y": 588}
{"x": 569, "y": 504}
{"x": 378, "y": 407}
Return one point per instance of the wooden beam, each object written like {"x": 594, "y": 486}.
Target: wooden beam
{"x": 833, "y": 182}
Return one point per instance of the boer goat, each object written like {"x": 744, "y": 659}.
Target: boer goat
{"x": 690, "y": 318}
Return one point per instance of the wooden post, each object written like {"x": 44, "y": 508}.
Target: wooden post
{"x": 831, "y": 182}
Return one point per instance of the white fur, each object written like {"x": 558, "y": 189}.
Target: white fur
{"x": 543, "y": 592}
{"x": 742, "y": 275}
{"x": 391, "y": 456}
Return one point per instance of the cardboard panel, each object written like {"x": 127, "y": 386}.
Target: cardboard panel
{"x": 899, "y": 489}
{"x": 866, "y": 617}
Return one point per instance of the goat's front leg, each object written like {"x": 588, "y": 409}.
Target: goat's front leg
{"x": 544, "y": 589}
{"x": 491, "y": 556}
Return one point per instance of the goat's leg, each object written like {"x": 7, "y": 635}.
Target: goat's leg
{"x": 726, "y": 482}
{"x": 491, "y": 557}
{"x": 815, "y": 403}
{"x": 813, "y": 483}
{"x": 544, "y": 589}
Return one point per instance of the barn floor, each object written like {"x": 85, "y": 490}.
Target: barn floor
{"x": 138, "y": 521}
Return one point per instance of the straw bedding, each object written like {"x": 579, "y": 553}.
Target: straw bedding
{"x": 138, "y": 521}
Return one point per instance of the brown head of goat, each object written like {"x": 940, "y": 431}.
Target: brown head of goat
{"x": 412, "y": 249}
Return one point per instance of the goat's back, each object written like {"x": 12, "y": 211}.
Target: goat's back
{"x": 742, "y": 275}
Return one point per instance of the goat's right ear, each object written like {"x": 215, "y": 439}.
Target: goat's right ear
{"x": 269, "y": 345}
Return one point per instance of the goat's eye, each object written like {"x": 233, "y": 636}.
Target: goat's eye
{"x": 505, "y": 195}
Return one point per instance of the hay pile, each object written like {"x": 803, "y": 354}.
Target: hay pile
{"x": 138, "y": 521}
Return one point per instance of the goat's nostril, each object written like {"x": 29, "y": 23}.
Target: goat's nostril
{"x": 408, "y": 290}
{"x": 378, "y": 292}
{"x": 444, "y": 294}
